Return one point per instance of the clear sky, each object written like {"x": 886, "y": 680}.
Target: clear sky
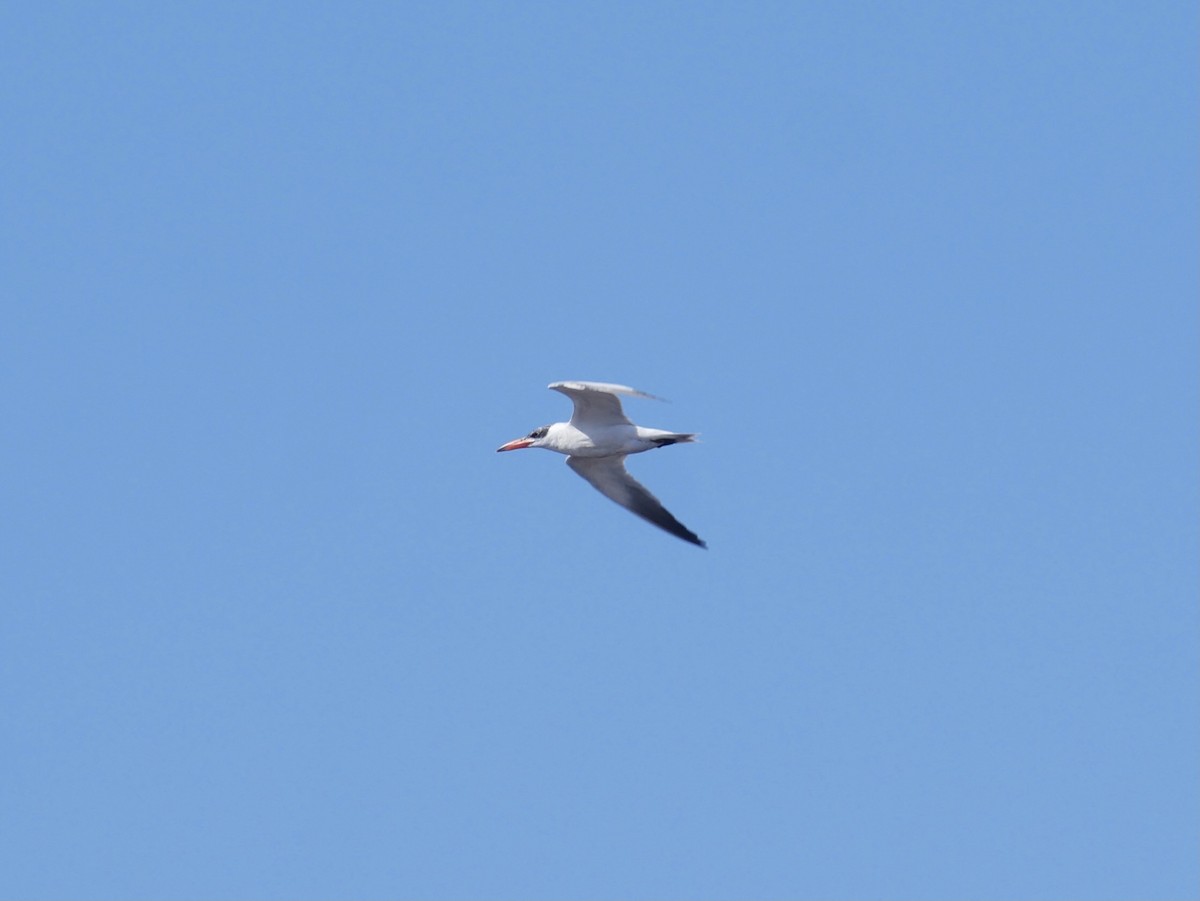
{"x": 279, "y": 278}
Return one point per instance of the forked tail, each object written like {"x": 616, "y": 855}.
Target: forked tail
{"x": 674, "y": 438}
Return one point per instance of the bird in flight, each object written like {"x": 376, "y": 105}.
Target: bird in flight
{"x": 596, "y": 442}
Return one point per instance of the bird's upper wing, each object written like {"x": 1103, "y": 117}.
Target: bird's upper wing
{"x": 609, "y": 476}
{"x": 596, "y": 403}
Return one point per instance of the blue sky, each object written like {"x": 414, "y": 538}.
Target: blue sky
{"x": 278, "y": 622}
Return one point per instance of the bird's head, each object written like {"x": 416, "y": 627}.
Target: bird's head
{"x": 533, "y": 439}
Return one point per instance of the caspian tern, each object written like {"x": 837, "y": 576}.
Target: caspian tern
{"x": 596, "y": 442}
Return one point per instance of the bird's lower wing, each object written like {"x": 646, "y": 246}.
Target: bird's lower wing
{"x": 609, "y": 476}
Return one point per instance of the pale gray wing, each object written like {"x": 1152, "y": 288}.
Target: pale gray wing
{"x": 609, "y": 476}
{"x": 597, "y": 403}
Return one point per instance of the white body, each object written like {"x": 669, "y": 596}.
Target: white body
{"x": 598, "y": 440}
